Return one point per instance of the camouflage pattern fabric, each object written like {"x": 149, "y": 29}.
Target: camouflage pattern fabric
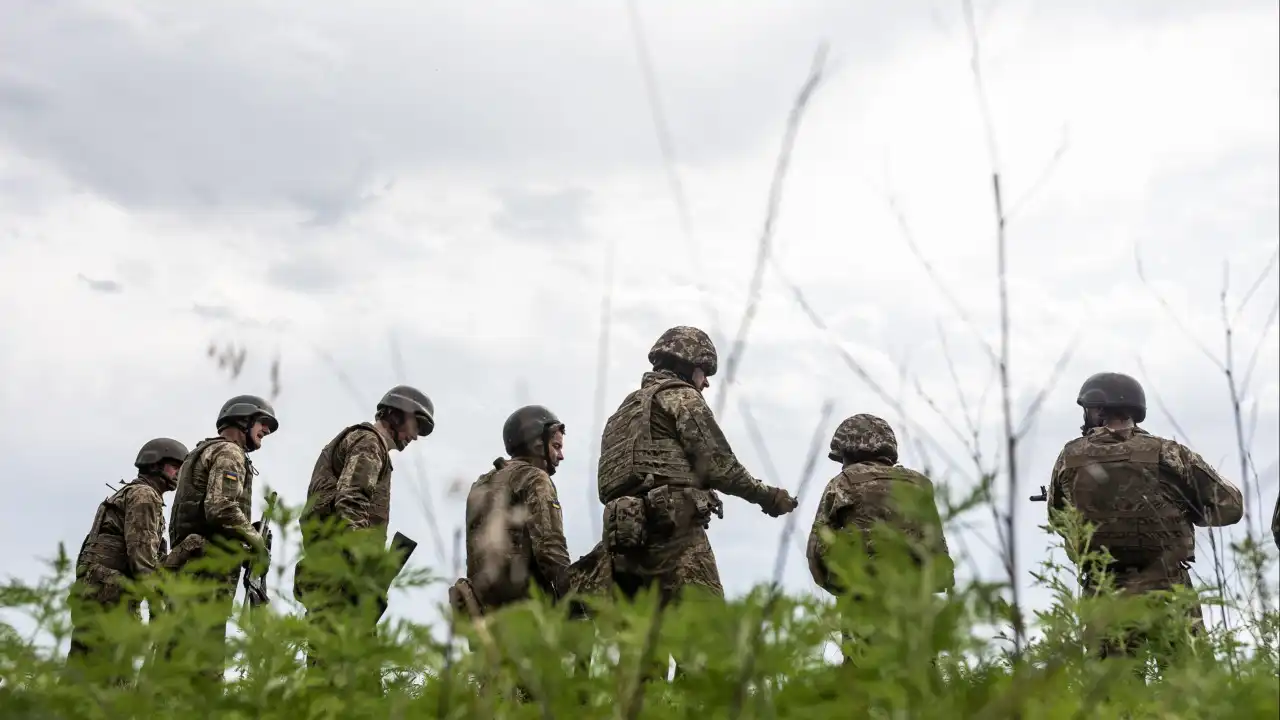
{"x": 1158, "y": 489}
{"x": 350, "y": 490}
{"x": 125, "y": 542}
{"x": 1143, "y": 492}
{"x": 867, "y": 493}
{"x": 688, "y": 344}
{"x": 1141, "y": 580}
{"x": 866, "y": 436}
{"x": 515, "y": 534}
{"x": 213, "y": 501}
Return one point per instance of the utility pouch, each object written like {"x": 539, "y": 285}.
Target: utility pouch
{"x": 625, "y": 524}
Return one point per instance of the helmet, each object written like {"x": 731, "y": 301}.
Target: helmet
{"x": 1114, "y": 390}
{"x": 246, "y": 407}
{"x": 159, "y": 450}
{"x": 688, "y": 344}
{"x": 865, "y": 435}
{"x": 413, "y": 401}
{"x": 526, "y": 425}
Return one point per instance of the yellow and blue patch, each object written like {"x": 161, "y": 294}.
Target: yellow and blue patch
{"x": 231, "y": 476}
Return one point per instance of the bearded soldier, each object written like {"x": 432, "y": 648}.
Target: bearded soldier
{"x": 1142, "y": 493}
{"x": 662, "y": 459}
{"x": 350, "y": 491}
{"x": 125, "y": 542}
{"x": 211, "y": 508}
{"x": 872, "y": 489}
{"x": 515, "y": 529}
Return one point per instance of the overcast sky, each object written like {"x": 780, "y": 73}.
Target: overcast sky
{"x": 331, "y": 181}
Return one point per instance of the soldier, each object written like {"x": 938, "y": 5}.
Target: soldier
{"x": 1142, "y": 493}
{"x": 662, "y": 457}
{"x": 1275, "y": 523}
{"x": 515, "y": 530}
{"x": 870, "y": 489}
{"x": 125, "y": 542}
{"x": 211, "y": 508}
{"x": 350, "y": 491}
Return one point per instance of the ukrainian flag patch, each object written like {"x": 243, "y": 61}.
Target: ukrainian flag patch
{"x": 231, "y": 476}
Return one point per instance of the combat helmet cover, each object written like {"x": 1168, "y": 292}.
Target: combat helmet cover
{"x": 864, "y": 435}
{"x": 688, "y": 344}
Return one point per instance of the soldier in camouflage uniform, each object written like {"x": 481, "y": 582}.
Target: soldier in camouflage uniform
{"x": 1144, "y": 494}
{"x": 662, "y": 459}
{"x": 211, "y": 508}
{"x": 871, "y": 489}
{"x": 515, "y": 529}
{"x": 350, "y": 491}
{"x": 125, "y": 543}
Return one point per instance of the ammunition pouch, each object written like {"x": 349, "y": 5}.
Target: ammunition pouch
{"x": 108, "y": 551}
{"x": 673, "y": 509}
{"x": 625, "y": 524}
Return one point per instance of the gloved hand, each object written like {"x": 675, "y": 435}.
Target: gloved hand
{"x": 776, "y": 502}
{"x": 259, "y": 558}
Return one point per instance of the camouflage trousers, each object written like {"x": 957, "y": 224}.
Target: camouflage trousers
{"x": 1130, "y": 580}
{"x": 672, "y": 564}
{"x": 334, "y": 609}
{"x": 203, "y": 637}
{"x": 97, "y": 591}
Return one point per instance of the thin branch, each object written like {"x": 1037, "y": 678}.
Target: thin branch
{"x": 667, "y": 147}
{"x": 1011, "y": 439}
{"x": 602, "y": 373}
{"x": 442, "y": 708}
{"x": 1043, "y": 178}
{"x": 757, "y": 439}
{"x": 1177, "y": 320}
{"x": 780, "y": 563}
{"x": 1262, "y": 276}
{"x": 909, "y": 237}
{"x": 764, "y": 247}
{"x": 1054, "y": 375}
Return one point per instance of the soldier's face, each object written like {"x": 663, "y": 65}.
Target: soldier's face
{"x": 257, "y": 432}
{"x": 408, "y": 431}
{"x": 700, "y": 379}
{"x": 170, "y": 471}
{"x": 555, "y": 454}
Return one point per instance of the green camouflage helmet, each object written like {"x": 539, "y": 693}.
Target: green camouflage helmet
{"x": 688, "y": 344}
{"x": 158, "y": 450}
{"x": 864, "y": 435}
{"x": 247, "y": 408}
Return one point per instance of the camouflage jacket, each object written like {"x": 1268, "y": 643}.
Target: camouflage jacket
{"x": 1174, "y": 481}
{"x": 871, "y": 492}
{"x": 681, "y": 414}
{"x": 515, "y": 534}
{"x": 214, "y": 494}
{"x": 351, "y": 482}
{"x": 127, "y": 535}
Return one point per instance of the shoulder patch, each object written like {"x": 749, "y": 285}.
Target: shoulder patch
{"x": 231, "y": 476}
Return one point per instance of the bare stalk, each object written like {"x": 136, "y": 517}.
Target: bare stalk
{"x": 602, "y": 374}
{"x": 780, "y": 563}
{"x": 1011, "y": 437}
{"x": 764, "y": 247}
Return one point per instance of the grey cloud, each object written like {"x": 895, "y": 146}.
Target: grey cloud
{"x": 108, "y": 287}
{"x": 548, "y": 216}
{"x": 315, "y": 106}
{"x": 306, "y": 274}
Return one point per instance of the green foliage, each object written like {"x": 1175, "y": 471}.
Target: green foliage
{"x": 913, "y": 653}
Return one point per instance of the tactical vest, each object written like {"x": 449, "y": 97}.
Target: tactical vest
{"x": 105, "y": 544}
{"x": 629, "y": 452}
{"x": 322, "y": 493}
{"x": 499, "y": 566}
{"x": 187, "y": 516}
{"x": 877, "y": 500}
{"x": 1118, "y": 488}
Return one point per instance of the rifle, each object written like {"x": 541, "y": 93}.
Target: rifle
{"x": 1042, "y": 497}
{"x": 255, "y": 586}
{"x": 403, "y": 546}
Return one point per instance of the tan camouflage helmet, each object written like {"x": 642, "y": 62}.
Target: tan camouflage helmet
{"x": 688, "y": 344}
{"x": 864, "y": 436}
